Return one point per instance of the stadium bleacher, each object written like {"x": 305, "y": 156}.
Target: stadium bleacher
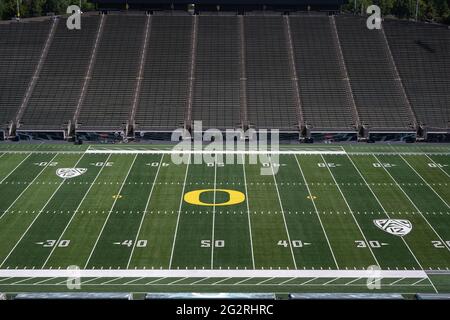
{"x": 270, "y": 92}
{"x": 421, "y": 55}
{"x": 217, "y": 72}
{"x": 325, "y": 103}
{"x": 165, "y": 84}
{"x": 110, "y": 92}
{"x": 267, "y": 70}
{"x": 21, "y": 46}
{"x": 56, "y": 94}
{"x": 377, "y": 92}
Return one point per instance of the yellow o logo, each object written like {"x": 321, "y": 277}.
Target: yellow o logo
{"x": 193, "y": 197}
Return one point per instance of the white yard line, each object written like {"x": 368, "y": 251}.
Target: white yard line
{"x": 145, "y": 212}
{"x": 39, "y": 214}
{"x": 396, "y": 281}
{"x": 248, "y": 212}
{"x": 242, "y": 281}
{"x": 317, "y": 211}
{"x": 75, "y": 212}
{"x": 174, "y": 282}
{"x": 350, "y": 209}
{"x": 412, "y": 202}
{"x": 12, "y": 171}
{"x": 110, "y": 212}
{"x": 61, "y": 282}
{"x": 214, "y": 213}
{"x": 200, "y": 273}
{"x": 179, "y": 213}
{"x": 426, "y": 182}
{"x": 328, "y": 282}
{"x": 308, "y": 281}
{"x": 23, "y": 280}
{"x": 415, "y": 283}
{"x": 109, "y": 281}
{"x": 264, "y": 281}
{"x": 125, "y": 150}
{"x": 438, "y": 166}
{"x": 282, "y": 212}
{"x": 42, "y": 281}
{"x": 156, "y": 280}
{"x": 198, "y": 281}
{"x": 26, "y": 188}
{"x": 4, "y": 279}
{"x": 90, "y": 280}
{"x": 284, "y": 282}
{"x": 130, "y": 282}
{"x": 208, "y": 152}
{"x": 354, "y": 280}
{"x": 220, "y": 281}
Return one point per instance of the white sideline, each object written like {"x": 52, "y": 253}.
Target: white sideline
{"x": 135, "y": 273}
{"x": 240, "y": 152}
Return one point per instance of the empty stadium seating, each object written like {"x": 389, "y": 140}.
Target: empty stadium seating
{"x": 55, "y": 96}
{"x": 216, "y": 87}
{"x": 270, "y": 98}
{"x": 421, "y": 52}
{"x": 376, "y": 91}
{"x": 165, "y": 84}
{"x": 266, "y": 70}
{"x": 324, "y": 101}
{"x": 110, "y": 92}
{"x": 21, "y": 45}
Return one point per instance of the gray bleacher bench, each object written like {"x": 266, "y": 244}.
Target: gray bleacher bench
{"x": 74, "y": 295}
{"x": 345, "y": 296}
{"x": 192, "y": 295}
{"x": 433, "y": 296}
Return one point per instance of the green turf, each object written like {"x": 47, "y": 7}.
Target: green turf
{"x": 127, "y": 212}
{"x": 144, "y": 285}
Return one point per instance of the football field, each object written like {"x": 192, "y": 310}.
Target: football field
{"x": 329, "y": 218}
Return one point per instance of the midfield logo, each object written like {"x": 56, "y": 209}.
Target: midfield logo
{"x": 395, "y": 227}
{"x": 68, "y": 173}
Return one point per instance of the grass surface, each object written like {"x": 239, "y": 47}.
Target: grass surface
{"x": 127, "y": 212}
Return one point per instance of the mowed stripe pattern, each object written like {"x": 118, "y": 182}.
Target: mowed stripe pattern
{"x": 317, "y": 212}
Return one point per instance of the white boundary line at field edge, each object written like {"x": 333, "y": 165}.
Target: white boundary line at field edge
{"x": 281, "y": 152}
{"x": 237, "y": 152}
{"x": 146, "y": 273}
